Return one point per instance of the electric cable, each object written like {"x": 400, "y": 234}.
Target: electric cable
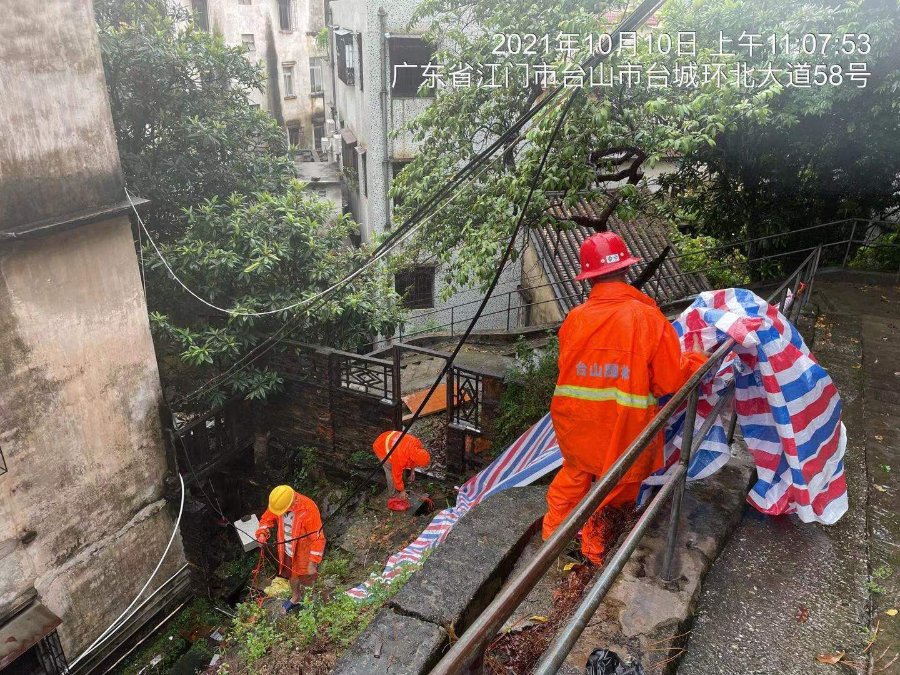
{"x": 270, "y": 342}
{"x": 122, "y": 618}
{"x": 448, "y": 362}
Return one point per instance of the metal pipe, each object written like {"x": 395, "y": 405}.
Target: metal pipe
{"x": 473, "y": 642}
{"x": 553, "y": 658}
{"x": 385, "y": 104}
{"x": 687, "y": 443}
{"x": 850, "y": 243}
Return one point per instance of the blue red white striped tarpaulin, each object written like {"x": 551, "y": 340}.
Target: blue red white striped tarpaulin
{"x": 788, "y": 408}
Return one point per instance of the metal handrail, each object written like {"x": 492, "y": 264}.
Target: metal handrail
{"x": 475, "y": 639}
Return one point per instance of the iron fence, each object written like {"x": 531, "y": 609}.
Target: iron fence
{"x": 465, "y": 391}
{"x": 364, "y": 375}
{"x": 790, "y": 297}
{"x": 210, "y": 439}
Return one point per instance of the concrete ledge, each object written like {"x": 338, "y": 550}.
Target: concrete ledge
{"x": 393, "y": 643}
{"x": 455, "y": 584}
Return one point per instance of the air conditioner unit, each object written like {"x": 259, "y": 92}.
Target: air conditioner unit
{"x": 326, "y": 145}
{"x": 329, "y": 127}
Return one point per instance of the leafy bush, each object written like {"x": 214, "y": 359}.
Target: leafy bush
{"x": 883, "y": 253}
{"x": 723, "y": 268}
{"x": 529, "y": 390}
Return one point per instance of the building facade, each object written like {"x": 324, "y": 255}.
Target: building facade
{"x": 83, "y": 520}
{"x": 280, "y": 36}
{"x": 377, "y": 59}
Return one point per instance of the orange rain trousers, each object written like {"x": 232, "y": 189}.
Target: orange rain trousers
{"x": 567, "y": 489}
{"x": 617, "y": 356}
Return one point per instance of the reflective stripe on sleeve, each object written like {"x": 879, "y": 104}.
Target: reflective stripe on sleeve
{"x": 605, "y": 394}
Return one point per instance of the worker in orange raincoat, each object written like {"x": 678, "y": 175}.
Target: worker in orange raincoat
{"x": 409, "y": 455}
{"x": 617, "y": 355}
{"x": 299, "y": 537}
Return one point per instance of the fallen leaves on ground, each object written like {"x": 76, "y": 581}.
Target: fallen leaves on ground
{"x": 802, "y": 614}
{"x": 891, "y": 612}
{"x": 830, "y": 658}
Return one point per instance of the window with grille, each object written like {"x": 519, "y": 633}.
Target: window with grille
{"x": 343, "y": 45}
{"x": 288, "y": 80}
{"x": 294, "y": 136}
{"x": 316, "y": 78}
{"x": 201, "y": 14}
{"x": 408, "y": 56}
{"x": 416, "y": 287}
{"x": 285, "y": 15}
{"x": 249, "y": 42}
{"x": 349, "y": 156}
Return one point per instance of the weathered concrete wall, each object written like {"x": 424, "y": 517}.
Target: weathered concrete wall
{"x": 544, "y": 309}
{"x": 58, "y": 154}
{"x": 82, "y": 517}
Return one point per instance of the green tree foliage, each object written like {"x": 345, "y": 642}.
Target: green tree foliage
{"x": 257, "y": 254}
{"x": 180, "y": 102}
{"x": 613, "y": 134}
{"x": 229, "y": 217}
{"x": 529, "y": 390}
{"x": 824, "y": 153}
{"x": 749, "y": 161}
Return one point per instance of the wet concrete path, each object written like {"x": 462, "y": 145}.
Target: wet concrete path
{"x": 783, "y": 593}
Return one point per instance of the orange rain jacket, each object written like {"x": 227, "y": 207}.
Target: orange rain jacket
{"x": 617, "y": 355}
{"x": 409, "y": 454}
{"x": 305, "y": 549}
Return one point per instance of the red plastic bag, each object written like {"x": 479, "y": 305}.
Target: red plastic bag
{"x": 398, "y": 504}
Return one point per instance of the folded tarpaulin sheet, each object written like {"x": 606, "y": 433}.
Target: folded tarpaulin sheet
{"x": 788, "y": 408}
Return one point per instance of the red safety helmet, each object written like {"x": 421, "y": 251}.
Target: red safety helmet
{"x": 604, "y": 253}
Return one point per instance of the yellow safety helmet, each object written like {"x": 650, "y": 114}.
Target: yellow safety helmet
{"x": 280, "y": 499}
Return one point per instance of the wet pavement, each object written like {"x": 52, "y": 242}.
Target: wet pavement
{"x": 784, "y": 593}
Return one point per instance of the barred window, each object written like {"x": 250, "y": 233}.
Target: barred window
{"x": 316, "y": 78}
{"x": 416, "y": 287}
{"x": 343, "y": 45}
{"x": 249, "y": 42}
{"x": 408, "y": 56}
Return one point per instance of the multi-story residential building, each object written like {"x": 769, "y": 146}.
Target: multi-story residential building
{"x": 280, "y": 35}
{"x": 378, "y": 61}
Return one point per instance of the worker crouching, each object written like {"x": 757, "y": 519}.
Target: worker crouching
{"x": 408, "y": 456}
{"x": 299, "y": 536}
{"x": 617, "y": 355}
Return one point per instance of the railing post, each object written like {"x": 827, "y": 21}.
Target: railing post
{"x": 687, "y": 442}
{"x": 850, "y": 243}
{"x": 508, "y": 309}
{"x": 452, "y": 321}
{"x": 732, "y": 425}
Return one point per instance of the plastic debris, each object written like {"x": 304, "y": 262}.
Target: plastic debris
{"x": 279, "y": 588}
{"x": 605, "y": 662}
{"x": 398, "y": 504}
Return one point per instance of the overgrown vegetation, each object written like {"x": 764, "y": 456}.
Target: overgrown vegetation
{"x": 252, "y": 254}
{"x": 170, "y": 644}
{"x": 882, "y": 253}
{"x": 321, "y": 630}
{"x": 723, "y": 268}
{"x": 529, "y": 390}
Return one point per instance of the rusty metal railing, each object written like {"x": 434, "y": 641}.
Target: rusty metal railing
{"x": 475, "y": 639}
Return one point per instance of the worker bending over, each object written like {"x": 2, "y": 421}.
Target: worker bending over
{"x": 299, "y": 538}
{"x": 409, "y": 455}
{"x": 617, "y": 355}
